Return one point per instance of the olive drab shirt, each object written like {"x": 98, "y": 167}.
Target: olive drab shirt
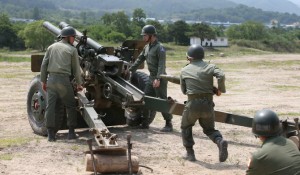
{"x": 155, "y": 56}
{"x": 62, "y": 58}
{"x": 277, "y": 155}
{"x": 197, "y": 78}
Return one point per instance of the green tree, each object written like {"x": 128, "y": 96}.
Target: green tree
{"x": 99, "y": 32}
{"x": 203, "y": 31}
{"x": 36, "y": 37}
{"x": 122, "y": 23}
{"x": 138, "y": 17}
{"x": 8, "y": 36}
{"x": 118, "y": 21}
{"x": 116, "y": 37}
{"x": 249, "y": 30}
{"x": 219, "y": 30}
{"x": 107, "y": 19}
{"x": 179, "y": 31}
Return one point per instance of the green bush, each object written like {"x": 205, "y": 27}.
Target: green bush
{"x": 116, "y": 37}
{"x": 274, "y": 44}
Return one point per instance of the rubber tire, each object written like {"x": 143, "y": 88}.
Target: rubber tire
{"x": 37, "y": 97}
{"x": 139, "y": 79}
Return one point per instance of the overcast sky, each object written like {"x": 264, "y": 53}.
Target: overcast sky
{"x": 296, "y": 2}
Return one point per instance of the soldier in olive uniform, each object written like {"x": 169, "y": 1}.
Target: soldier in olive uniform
{"x": 277, "y": 155}
{"x": 155, "y": 55}
{"x": 196, "y": 81}
{"x": 60, "y": 62}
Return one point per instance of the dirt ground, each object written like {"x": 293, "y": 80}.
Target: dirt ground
{"x": 253, "y": 83}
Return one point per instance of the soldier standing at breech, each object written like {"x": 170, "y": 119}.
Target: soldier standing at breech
{"x": 60, "y": 62}
{"x": 196, "y": 81}
{"x": 155, "y": 55}
{"x": 277, "y": 155}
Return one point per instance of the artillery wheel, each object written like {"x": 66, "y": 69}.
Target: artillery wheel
{"x": 139, "y": 79}
{"x": 36, "y": 108}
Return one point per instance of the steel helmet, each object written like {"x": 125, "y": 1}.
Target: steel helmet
{"x": 148, "y": 30}
{"x": 195, "y": 51}
{"x": 266, "y": 123}
{"x": 67, "y": 31}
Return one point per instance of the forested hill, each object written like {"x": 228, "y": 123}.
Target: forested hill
{"x": 200, "y": 10}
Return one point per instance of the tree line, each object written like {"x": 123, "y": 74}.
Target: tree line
{"x": 118, "y": 27}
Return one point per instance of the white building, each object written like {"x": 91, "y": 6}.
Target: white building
{"x": 218, "y": 42}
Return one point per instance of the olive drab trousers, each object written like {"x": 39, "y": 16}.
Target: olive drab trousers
{"x": 160, "y": 92}
{"x": 201, "y": 109}
{"x": 59, "y": 87}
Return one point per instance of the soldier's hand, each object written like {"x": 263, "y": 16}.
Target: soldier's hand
{"x": 217, "y": 91}
{"x": 79, "y": 88}
{"x": 44, "y": 86}
{"x": 127, "y": 74}
{"x": 156, "y": 83}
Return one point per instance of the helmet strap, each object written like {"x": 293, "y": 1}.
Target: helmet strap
{"x": 149, "y": 39}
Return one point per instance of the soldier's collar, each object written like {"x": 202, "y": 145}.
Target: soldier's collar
{"x": 154, "y": 43}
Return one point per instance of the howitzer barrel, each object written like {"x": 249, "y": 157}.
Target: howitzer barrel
{"x": 91, "y": 43}
{"x": 53, "y": 29}
{"x": 171, "y": 78}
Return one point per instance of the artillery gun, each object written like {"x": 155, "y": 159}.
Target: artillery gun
{"x": 111, "y": 97}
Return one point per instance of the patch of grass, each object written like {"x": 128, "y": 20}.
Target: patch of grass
{"x": 14, "y": 59}
{"x": 75, "y": 147}
{"x": 8, "y": 76}
{"x": 259, "y": 64}
{"x": 291, "y": 114}
{"x": 235, "y": 50}
{"x": 296, "y": 77}
{"x": 175, "y": 52}
{"x": 286, "y": 87}
{"x": 6, "y": 156}
{"x": 15, "y": 75}
{"x": 177, "y": 65}
{"x": 232, "y": 83}
{"x": 8, "y": 142}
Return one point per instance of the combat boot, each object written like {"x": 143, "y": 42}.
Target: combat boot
{"x": 222, "y": 145}
{"x": 51, "y": 135}
{"x": 71, "y": 134}
{"x": 168, "y": 127}
{"x": 144, "y": 126}
{"x": 190, "y": 155}
{"x": 145, "y": 120}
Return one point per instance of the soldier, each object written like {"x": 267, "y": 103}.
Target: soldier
{"x": 196, "y": 81}
{"x": 155, "y": 55}
{"x": 60, "y": 62}
{"x": 277, "y": 155}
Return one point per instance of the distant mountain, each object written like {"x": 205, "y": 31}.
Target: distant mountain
{"x": 162, "y": 8}
{"x": 153, "y": 8}
{"x": 283, "y": 6}
{"x": 194, "y": 10}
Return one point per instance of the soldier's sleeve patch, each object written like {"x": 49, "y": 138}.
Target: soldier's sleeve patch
{"x": 162, "y": 49}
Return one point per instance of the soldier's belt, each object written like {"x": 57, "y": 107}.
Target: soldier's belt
{"x": 200, "y": 96}
{"x": 59, "y": 74}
